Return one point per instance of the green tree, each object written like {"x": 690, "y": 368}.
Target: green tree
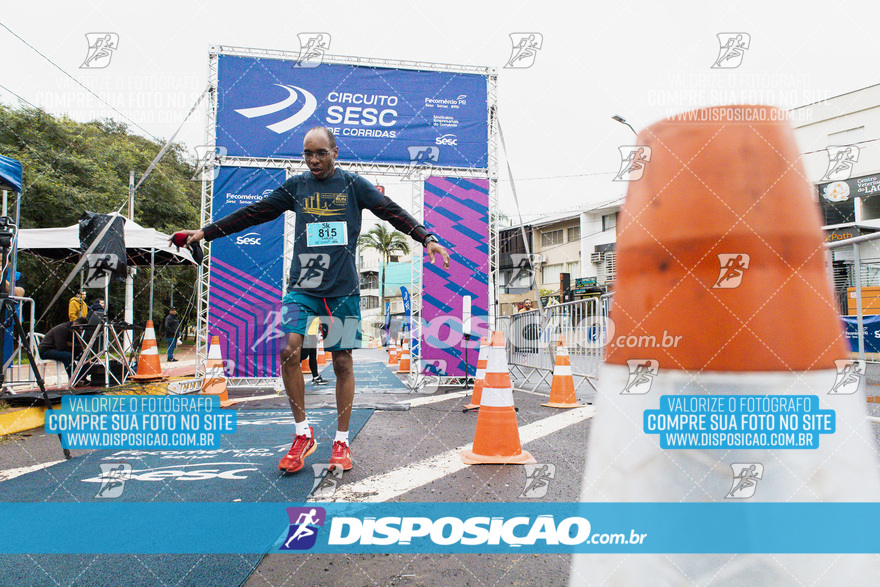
{"x": 71, "y": 167}
{"x": 387, "y": 242}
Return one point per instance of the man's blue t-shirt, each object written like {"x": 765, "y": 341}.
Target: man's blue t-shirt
{"x": 328, "y": 217}
{"x": 328, "y": 224}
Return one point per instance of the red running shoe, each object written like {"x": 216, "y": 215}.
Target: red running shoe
{"x": 302, "y": 447}
{"x": 341, "y": 456}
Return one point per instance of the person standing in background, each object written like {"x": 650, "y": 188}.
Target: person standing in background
{"x": 77, "y": 308}
{"x": 171, "y": 326}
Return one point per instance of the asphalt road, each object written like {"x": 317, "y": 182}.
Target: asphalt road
{"x": 393, "y": 462}
{"x": 400, "y": 435}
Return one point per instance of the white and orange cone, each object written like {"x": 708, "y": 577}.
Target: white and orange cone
{"x": 721, "y": 262}
{"x": 404, "y": 363}
{"x": 393, "y": 357}
{"x": 496, "y": 439}
{"x": 149, "y": 368}
{"x": 480, "y": 378}
{"x": 214, "y": 382}
{"x": 562, "y": 388}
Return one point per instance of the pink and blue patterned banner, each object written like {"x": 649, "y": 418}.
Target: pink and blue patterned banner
{"x": 246, "y": 277}
{"x": 457, "y": 211}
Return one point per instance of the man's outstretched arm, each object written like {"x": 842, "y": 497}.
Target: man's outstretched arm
{"x": 388, "y": 210}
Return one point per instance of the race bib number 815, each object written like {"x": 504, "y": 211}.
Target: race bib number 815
{"x": 326, "y": 234}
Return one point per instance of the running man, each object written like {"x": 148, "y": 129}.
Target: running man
{"x": 303, "y": 531}
{"x": 735, "y": 268}
{"x": 328, "y": 202}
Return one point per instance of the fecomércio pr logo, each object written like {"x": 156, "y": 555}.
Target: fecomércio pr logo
{"x": 304, "y": 525}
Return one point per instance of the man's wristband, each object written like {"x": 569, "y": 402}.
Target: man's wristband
{"x": 430, "y": 239}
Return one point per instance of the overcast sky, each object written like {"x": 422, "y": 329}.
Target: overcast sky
{"x": 641, "y": 60}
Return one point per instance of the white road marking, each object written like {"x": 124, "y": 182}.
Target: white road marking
{"x": 8, "y": 474}
{"x": 395, "y": 483}
{"x": 433, "y": 399}
{"x": 257, "y": 397}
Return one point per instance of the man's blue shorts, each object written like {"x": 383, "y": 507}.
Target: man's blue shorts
{"x": 340, "y": 318}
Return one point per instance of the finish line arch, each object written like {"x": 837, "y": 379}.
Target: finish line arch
{"x": 435, "y": 146}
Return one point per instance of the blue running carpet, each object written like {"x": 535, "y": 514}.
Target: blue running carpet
{"x": 245, "y": 468}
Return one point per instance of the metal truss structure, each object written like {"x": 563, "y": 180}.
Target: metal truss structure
{"x": 294, "y": 166}
{"x": 208, "y": 171}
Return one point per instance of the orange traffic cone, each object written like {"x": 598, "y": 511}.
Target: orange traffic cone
{"x": 562, "y": 388}
{"x": 305, "y": 367}
{"x": 722, "y": 219}
{"x": 496, "y": 440}
{"x": 479, "y": 381}
{"x": 393, "y": 357}
{"x": 403, "y": 367}
{"x": 149, "y": 368}
{"x": 214, "y": 382}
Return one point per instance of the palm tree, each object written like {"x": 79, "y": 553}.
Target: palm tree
{"x": 386, "y": 242}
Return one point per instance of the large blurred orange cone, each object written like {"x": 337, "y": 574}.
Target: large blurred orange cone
{"x": 392, "y": 356}
{"x": 215, "y": 375}
{"x": 496, "y": 440}
{"x": 480, "y": 378}
{"x": 148, "y": 363}
{"x": 722, "y": 290}
{"x": 305, "y": 367}
{"x": 562, "y": 389}
{"x": 403, "y": 367}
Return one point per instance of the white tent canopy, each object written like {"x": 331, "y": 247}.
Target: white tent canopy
{"x": 62, "y": 244}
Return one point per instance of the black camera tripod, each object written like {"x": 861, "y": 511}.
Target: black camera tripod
{"x": 8, "y": 313}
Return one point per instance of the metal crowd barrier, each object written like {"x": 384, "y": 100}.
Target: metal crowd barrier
{"x": 17, "y": 370}
{"x": 532, "y": 339}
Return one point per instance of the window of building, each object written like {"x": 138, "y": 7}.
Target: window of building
{"x": 609, "y": 221}
{"x": 574, "y": 234}
{"x": 551, "y": 237}
{"x": 369, "y": 302}
{"x": 849, "y": 136}
{"x": 610, "y": 266}
{"x": 574, "y": 269}
{"x": 370, "y": 281}
{"x": 550, "y": 273}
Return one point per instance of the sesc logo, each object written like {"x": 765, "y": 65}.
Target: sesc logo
{"x": 447, "y": 139}
{"x": 251, "y": 238}
{"x": 304, "y": 111}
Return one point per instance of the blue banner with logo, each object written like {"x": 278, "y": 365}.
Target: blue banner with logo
{"x": 379, "y": 115}
{"x": 870, "y": 329}
{"x": 246, "y": 277}
{"x": 407, "y": 312}
{"x": 407, "y": 308}
{"x": 491, "y": 527}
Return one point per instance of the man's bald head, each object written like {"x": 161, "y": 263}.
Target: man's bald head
{"x": 320, "y": 152}
{"x": 331, "y": 138}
